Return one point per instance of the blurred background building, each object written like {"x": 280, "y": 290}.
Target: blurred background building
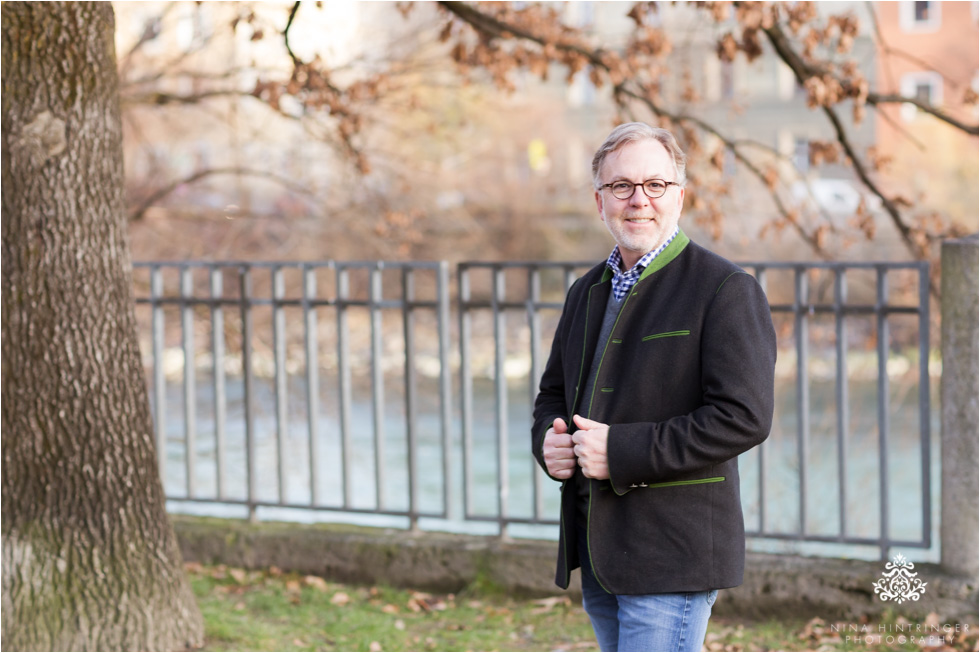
{"x": 459, "y": 169}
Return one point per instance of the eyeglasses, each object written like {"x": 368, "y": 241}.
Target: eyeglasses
{"x": 652, "y": 188}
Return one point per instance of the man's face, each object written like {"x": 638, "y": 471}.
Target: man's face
{"x": 638, "y": 223}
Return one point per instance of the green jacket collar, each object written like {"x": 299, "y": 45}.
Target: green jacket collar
{"x": 671, "y": 252}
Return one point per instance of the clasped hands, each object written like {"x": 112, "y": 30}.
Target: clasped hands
{"x": 585, "y": 448}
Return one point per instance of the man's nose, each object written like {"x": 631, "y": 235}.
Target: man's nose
{"x": 639, "y": 198}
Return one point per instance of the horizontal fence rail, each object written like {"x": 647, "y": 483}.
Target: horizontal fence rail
{"x": 327, "y": 386}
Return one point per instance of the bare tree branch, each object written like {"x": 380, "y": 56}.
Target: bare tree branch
{"x": 603, "y": 60}
{"x": 780, "y": 43}
{"x": 139, "y": 211}
{"x": 892, "y": 98}
{"x": 285, "y": 34}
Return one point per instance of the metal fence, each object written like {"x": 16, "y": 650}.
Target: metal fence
{"x": 829, "y": 473}
{"x": 199, "y": 294}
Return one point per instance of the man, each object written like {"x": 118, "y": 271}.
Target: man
{"x": 660, "y": 375}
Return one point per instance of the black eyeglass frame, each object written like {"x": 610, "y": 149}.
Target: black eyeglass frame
{"x": 642, "y": 184}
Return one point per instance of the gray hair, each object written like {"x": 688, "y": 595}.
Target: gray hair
{"x": 632, "y": 132}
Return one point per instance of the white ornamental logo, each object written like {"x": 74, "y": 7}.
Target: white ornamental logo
{"x": 899, "y": 582}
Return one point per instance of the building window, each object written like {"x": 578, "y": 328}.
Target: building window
{"x": 919, "y": 15}
{"x": 581, "y": 92}
{"x": 926, "y": 87}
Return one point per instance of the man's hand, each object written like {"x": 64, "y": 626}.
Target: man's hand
{"x": 590, "y": 447}
{"x": 558, "y": 455}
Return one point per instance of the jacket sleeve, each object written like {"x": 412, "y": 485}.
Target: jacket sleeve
{"x": 738, "y": 358}
{"x": 550, "y": 402}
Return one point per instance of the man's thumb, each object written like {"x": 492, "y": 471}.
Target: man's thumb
{"x": 560, "y": 426}
{"x": 584, "y": 423}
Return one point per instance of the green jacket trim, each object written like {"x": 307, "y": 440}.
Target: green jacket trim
{"x": 667, "y": 334}
{"x": 671, "y": 252}
{"x": 693, "y": 481}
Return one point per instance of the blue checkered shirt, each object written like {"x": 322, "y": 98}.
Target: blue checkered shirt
{"x": 622, "y": 282}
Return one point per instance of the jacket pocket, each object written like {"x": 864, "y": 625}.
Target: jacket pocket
{"x": 667, "y": 334}
{"x": 693, "y": 481}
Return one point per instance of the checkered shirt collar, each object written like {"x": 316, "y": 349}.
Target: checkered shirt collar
{"x": 622, "y": 282}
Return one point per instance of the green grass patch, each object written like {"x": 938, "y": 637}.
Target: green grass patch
{"x": 275, "y": 611}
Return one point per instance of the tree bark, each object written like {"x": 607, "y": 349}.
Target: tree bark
{"x": 90, "y": 560}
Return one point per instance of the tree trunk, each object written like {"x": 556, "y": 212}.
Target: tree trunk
{"x": 90, "y": 560}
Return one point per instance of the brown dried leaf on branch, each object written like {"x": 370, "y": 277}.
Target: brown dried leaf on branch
{"x": 823, "y": 91}
{"x": 727, "y": 48}
{"x": 847, "y": 26}
{"x": 864, "y": 221}
{"x": 822, "y": 152}
{"x": 877, "y": 161}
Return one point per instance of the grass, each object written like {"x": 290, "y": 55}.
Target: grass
{"x": 275, "y": 611}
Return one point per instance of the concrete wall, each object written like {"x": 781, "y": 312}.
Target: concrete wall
{"x": 775, "y": 586}
{"x": 960, "y": 389}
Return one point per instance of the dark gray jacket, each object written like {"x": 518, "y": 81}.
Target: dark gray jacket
{"x": 686, "y": 384}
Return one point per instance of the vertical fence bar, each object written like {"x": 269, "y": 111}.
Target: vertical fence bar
{"x": 411, "y": 417}
{"x": 802, "y": 386}
{"x": 190, "y": 389}
{"x": 281, "y": 378}
{"x": 500, "y": 387}
{"x": 344, "y": 384}
{"x": 251, "y": 460}
{"x": 159, "y": 380}
{"x": 924, "y": 400}
{"x": 466, "y": 387}
{"x": 377, "y": 383}
{"x": 763, "y": 279}
{"x": 220, "y": 390}
{"x": 445, "y": 389}
{"x": 310, "y": 334}
{"x": 881, "y": 303}
{"x": 843, "y": 412}
{"x": 534, "y": 325}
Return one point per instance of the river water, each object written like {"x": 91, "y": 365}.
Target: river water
{"x": 782, "y": 501}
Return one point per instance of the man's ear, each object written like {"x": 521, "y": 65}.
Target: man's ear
{"x": 598, "y": 203}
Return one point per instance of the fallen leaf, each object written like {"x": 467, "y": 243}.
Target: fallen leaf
{"x": 315, "y": 582}
{"x": 340, "y": 598}
{"x": 375, "y": 647}
{"x": 549, "y": 604}
{"x": 390, "y": 609}
{"x": 239, "y": 575}
{"x": 399, "y": 624}
{"x": 292, "y": 586}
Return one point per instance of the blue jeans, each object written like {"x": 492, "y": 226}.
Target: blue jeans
{"x": 644, "y": 622}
